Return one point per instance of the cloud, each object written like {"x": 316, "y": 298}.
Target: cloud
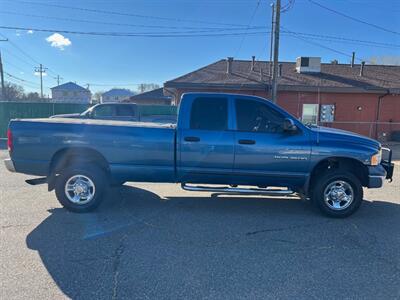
{"x": 30, "y": 31}
{"x": 58, "y": 40}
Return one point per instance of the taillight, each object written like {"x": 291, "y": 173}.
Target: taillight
{"x": 9, "y": 140}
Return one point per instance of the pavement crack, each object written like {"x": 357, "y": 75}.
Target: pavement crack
{"x": 286, "y": 228}
{"x": 14, "y": 226}
{"x": 116, "y": 263}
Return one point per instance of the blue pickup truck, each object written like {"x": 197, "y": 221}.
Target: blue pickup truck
{"x": 222, "y": 143}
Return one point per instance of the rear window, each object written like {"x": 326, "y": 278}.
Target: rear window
{"x": 209, "y": 114}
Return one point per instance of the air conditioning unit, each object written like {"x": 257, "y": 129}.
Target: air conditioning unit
{"x": 308, "y": 64}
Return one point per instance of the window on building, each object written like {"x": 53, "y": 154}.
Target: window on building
{"x": 65, "y": 93}
{"x": 209, "y": 114}
{"x": 310, "y": 114}
{"x": 256, "y": 116}
{"x": 305, "y": 61}
{"x": 75, "y": 94}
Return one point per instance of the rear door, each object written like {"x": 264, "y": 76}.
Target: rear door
{"x": 206, "y": 142}
{"x": 264, "y": 153}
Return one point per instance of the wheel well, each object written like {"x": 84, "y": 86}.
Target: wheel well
{"x": 80, "y": 155}
{"x": 351, "y": 165}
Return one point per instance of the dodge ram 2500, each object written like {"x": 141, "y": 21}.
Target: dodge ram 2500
{"x": 222, "y": 143}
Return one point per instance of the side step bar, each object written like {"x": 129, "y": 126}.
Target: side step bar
{"x": 36, "y": 181}
{"x": 235, "y": 190}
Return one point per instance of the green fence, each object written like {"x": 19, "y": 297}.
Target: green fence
{"x": 13, "y": 110}
{"x": 147, "y": 110}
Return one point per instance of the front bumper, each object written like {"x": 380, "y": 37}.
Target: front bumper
{"x": 388, "y": 165}
{"x": 378, "y": 174}
{"x": 9, "y": 164}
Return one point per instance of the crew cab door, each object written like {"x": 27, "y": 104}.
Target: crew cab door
{"x": 205, "y": 141}
{"x": 264, "y": 153}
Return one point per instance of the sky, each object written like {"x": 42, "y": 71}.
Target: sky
{"x": 237, "y": 28}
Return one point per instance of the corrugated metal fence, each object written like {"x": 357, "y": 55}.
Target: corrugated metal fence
{"x": 13, "y": 110}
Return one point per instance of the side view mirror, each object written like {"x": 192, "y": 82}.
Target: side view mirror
{"x": 289, "y": 126}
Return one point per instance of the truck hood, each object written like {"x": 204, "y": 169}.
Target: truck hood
{"x": 345, "y": 136}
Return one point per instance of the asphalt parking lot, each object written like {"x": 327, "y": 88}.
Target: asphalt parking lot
{"x": 155, "y": 241}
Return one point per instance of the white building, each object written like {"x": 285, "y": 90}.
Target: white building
{"x": 70, "y": 93}
{"x": 116, "y": 95}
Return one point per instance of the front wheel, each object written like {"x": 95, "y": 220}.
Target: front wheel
{"x": 337, "y": 193}
{"x": 81, "y": 188}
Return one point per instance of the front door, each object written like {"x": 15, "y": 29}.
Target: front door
{"x": 265, "y": 154}
{"x": 206, "y": 144}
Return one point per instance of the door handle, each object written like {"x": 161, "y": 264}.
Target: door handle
{"x": 247, "y": 142}
{"x": 192, "y": 139}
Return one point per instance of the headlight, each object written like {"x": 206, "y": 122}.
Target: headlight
{"x": 376, "y": 158}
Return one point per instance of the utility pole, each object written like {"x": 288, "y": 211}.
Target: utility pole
{"x": 41, "y": 70}
{"x": 58, "y": 79}
{"x": 272, "y": 39}
{"x": 3, "y": 90}
{"x": 276, "y": 51}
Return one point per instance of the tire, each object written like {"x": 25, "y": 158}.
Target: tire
{"x": 88, "y": 180}
{"x": 331, "y": 193}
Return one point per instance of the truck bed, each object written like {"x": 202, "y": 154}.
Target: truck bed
{"x": 134, "y": 150}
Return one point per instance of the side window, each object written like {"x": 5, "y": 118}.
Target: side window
{"x": 257, "y": 117}
{"x": 125, "y": 111}
{"x": 103, "y": 111}
{"x": 209, "y": 114}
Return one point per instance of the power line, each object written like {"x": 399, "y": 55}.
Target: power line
{"x": 340, "y": 39}
{"x": 20, "y": 50}
{"x": 132, "y": 34}
{"x": 11, "y": 64}
{"x": 342, "y": 53}
{"x": 248, "y": 26}
{"x": 354, "y": 18}
{"x": 126, "y": 14}
{"x": 20, "y": 79}
{"x": 26, "y": 54}
{"x": 126, "y": 24}
{"x": 18, "y": 58}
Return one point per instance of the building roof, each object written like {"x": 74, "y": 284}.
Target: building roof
{"x": 333, "y": 77}
{"x": 70, "y": 86}
{"x": 154, "y": 94}
{"x": 119, "y": 92}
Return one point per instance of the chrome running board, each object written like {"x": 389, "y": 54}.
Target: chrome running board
{"x": 235, "y": 190}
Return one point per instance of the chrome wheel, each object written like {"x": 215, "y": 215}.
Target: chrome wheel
{"x": 79, "y": 189}
{"x": 338, "y": 195}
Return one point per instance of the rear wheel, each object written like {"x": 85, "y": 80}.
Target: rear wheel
{"x": 337, "y": 193}
{"x": 81, "y": 188}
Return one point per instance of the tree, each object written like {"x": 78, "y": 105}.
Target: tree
{"x": 96, "y": 98}
{"x": 13, "y": 91}
{"x": 385, "y": 60}
{"x": 32, "y": 96}
{"x": 146, "y": 87}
